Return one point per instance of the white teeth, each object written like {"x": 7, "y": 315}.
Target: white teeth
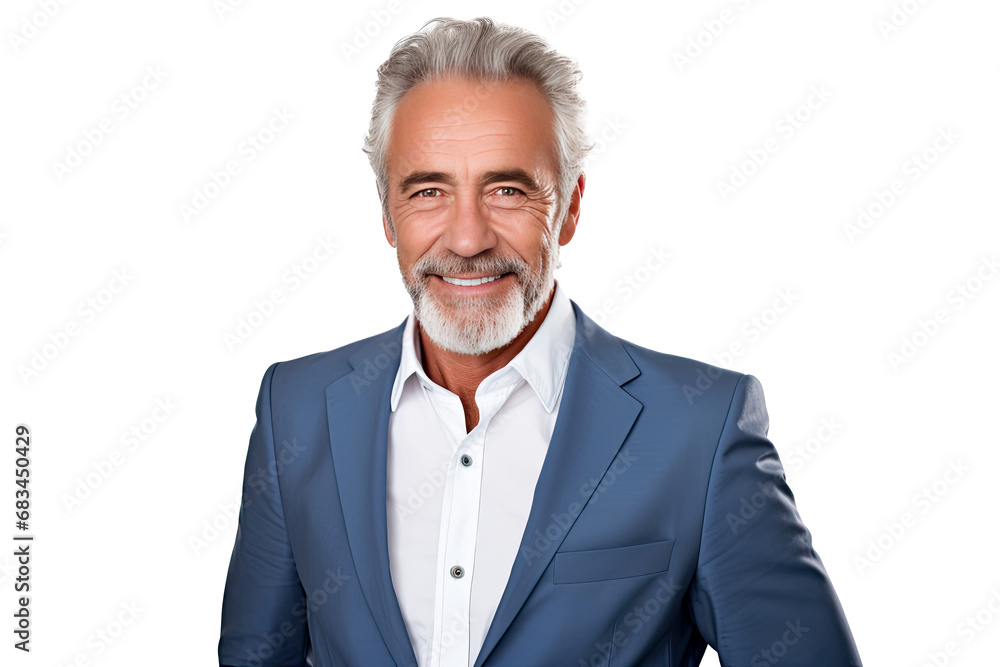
{"x": 470, "y": 282}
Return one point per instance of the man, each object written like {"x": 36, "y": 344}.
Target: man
{"x": 498, "y": 480}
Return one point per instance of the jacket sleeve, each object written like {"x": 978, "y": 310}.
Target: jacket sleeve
{"x": 263, "y": 607}
{"x": 760, "y": 594}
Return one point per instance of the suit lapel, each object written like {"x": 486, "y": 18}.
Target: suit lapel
{"x": 358, "y": 413}
{"x": 595, "y": 416}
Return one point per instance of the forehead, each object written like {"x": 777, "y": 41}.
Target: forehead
{"x": 459, "y": 124}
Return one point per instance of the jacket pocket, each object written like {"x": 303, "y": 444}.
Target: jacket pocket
{"x": 571, "y": 567}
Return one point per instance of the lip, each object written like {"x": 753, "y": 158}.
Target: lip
{"x": 472, "y": 289}
{"x": 483, "y": 275}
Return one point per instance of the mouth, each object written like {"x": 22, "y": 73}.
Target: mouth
{"x": 467, "y": 282}
{"x": 470, "y": 283}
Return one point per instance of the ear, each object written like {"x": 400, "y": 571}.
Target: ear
{"x": 572, "y": 211}
{"x": 389, "y": 236}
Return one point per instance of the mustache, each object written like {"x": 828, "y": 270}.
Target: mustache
{"x": 458, "y": 265}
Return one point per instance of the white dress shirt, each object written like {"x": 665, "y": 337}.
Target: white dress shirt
{"x": 456, "y": 502}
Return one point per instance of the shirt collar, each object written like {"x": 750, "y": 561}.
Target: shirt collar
{"x": 542, "y": 362}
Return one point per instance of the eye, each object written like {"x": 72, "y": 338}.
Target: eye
{"x": 427, "y": 193}
{"x": 508, "y": 191}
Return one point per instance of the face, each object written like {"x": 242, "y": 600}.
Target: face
{"x": 473, "y": 199}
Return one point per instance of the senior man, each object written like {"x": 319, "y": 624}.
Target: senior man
{"x": 498, "y": 480}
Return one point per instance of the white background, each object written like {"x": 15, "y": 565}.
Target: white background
{"x": 672, "y": 132}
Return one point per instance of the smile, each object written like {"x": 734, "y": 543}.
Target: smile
{"x": 471, "y": 281}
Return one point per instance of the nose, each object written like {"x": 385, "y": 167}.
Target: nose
{"x": 469, "y": 229}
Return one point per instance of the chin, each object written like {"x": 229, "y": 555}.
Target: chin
{"x": 472, "y": 334}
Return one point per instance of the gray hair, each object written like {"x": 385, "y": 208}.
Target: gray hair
{"x": 492, "y": 53}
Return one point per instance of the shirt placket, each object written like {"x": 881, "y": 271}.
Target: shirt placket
{"x": 459, "y": 531}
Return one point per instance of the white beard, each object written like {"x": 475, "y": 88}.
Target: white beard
{"x": 476, "y": 325}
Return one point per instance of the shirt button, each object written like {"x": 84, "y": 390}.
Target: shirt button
{"x": 466, "y": 460}
{"x": 458, "y": 572}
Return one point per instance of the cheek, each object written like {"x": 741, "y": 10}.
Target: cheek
{"x": 527, "y": 231}
{"x": 409, "y": 250}
{"x": 419, "y": 222}
{"x": 404, "y": 252}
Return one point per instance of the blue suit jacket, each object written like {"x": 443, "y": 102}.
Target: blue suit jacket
{"x": 660, "y": 521}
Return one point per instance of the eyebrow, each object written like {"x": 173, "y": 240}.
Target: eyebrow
{"x": 515, "y": 175}
{"x": 418, "y": 177}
